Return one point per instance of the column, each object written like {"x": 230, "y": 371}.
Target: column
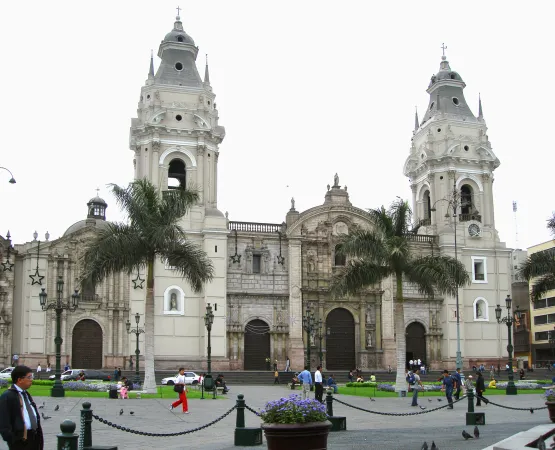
{"x": 120, "y": 333}
{"x": 362, "y": 326}
{"x": 110, "y": 332}
{"x": 154, "y": 163}
{"x": 200, "y": 172}
{"x": 296, "y": 353}
{"x": 215, "y": 171}
{"x": 378, "y": 337}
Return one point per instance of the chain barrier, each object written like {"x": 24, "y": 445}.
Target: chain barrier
{"x": 179, "y": 433}
{"x": 400, "y": 414}
{"x": 252, "y": 410}
{"x": 486, "y": 401}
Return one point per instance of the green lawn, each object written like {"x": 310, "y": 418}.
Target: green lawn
{"x": 163, "y": 392}
{"x": 371, "y": 392}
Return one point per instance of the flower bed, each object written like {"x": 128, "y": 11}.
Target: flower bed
{"x": 293, "y": 410}
{"x": 362, "y": 385}
{"x": 436, "y": 386}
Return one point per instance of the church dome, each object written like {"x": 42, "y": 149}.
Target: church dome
{"x": 86, "y": 223}
{"x": 98, "y": 200}
{"x": 96, "y": 216}
{"x": 178, "y": 34}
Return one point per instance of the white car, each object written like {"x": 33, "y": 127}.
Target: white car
{"x": 6, "y": 374}
{"x": 190, "y": 378}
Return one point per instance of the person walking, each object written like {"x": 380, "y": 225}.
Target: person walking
{"x": 318, "y": 385}
{"x": 276, "y": 377}
{"x": 287, "y": 364}
{"x": 480, "y": 388}
{"x": 119, "y": 373}
{"x": 306, "y": 379}
{"x": 39, "y": 370}
{"x": 416, "y": 387}
{"x": 448, "y": 384}
{"x": 181, "y": 389}
{"x": 116, "y": 377}
{"x": 48, "y": 369}
{"x": 19, "y": 417}
{"x": 458, "y": 383}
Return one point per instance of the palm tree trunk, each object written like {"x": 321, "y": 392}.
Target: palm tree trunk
{"x": 399, "y": 321}
{"x": 149, "y": 384}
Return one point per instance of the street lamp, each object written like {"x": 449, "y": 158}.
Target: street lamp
{"x": 320, "y": 336}
{"x": 309, "y": 325}
{"x": 509, "y": 320}
{"x": 552, "y": 345}
{"x": 137, "y": 332}
{"x": 58, "y": 306}
{"x": 12, "y": 179}
{"x": 207, "y": 381}
{"x": 453, "y": 202}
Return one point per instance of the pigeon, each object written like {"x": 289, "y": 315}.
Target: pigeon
{"x": 421, "y": 407}
{"x": 430, "y": 400}
{"x": 121, "y": 411}
{"x": 531, "y": 410}
{"x": 372, "y": 399}
{"x": 541, "y": 444}
{"x": 45, "y": 417}
{"x": 43, "y": 405}
{"x": 434, "y": 446}
{"x": 57, "y": 408}
{"x": 476, "y": 432}
{"x": 439, "y": 399}
{"x": 424, "y": 446}
{"x": 466, "y": 436}
{"x": 131, "y": 412}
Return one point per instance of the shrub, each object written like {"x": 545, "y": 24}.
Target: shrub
{"x": 293, "y": 410}
{"x": 362, "y": 385}
{"x": 84, "y": 386}
{"x": 43, "y": 382}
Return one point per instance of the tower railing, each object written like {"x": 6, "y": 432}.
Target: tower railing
{"x": 255, "y": 227}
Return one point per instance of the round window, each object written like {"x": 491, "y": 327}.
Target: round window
{"x": 179, "y": 38}
{"x": 466, "y": 148}
{"x": 432, "y": 105}
{"x": 439, "y": 130}
{"x": 178, "y": 117}
{"x": 148, "y": 97}
{"x": 178, "y": 66}
{"x": 455, "y": 101}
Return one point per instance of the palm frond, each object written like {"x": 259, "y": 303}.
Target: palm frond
{"x": 542, "y": 285}
{"x": 551, "y": 224}
{"x": 356, "y": 275}
{"x": 400, "y": 214}
{"x": 537, "y": 265}
{"x": 363, "y": 244}
{"x": 139, "y": 200}
{"x": 444, "y": 273}
{"x": 176, "y": 202}
{"x": 190, "y": 261}
{"x": 382, "y": 221}
{"x": 117, "y": 248}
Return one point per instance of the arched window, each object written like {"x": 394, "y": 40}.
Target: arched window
{"x": 176, "y": 174}
{"x": 466, "y": 199}
{"x": 340, "y": 259}
{"x": 427, "y": 205}
{"x": 481, "y": 310}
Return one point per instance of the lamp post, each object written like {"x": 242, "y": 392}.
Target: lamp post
{"x": 58, "y": 306}
{"x": 208, "y": 321}
{"x": 12, "y": 179}
{"x": 453, "y": 203}
{"x": 309, "y": 325}
{"x": 509, "y": 320}
{"x": 552, "y": 345}
{"x": 137, "y": 332}
{"x": 320, "y": 337}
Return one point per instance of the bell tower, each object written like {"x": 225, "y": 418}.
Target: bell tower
{"x": 450, "y": 167}
{"x": 175, "y": 139}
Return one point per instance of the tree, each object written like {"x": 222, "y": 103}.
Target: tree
{"x": 152, "y": 232}
{"x": 386, "y": 251}
{"x": 539, "y": 268}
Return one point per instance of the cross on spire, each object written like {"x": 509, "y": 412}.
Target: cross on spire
{"x": 178, "y": 9}
{"x": 443, "y": 48}
{"x": 97, "y": 191}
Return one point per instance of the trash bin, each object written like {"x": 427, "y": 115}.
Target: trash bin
{"x": 113, "y": 392}
{"x": 402, "y": 393}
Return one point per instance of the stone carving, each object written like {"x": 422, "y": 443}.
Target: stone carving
{"x": 328, "y": 187}
{"x": 340, "y": 228}
{"x": 173, "y": 302}
{"x": 292, "y": 204}
{"x": 311, "y": 260}
{"x": 369, "y": 340}
{"x": 368, "y": 316}
{"x": 336, "y": 180}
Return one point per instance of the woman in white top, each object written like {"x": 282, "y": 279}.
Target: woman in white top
{"x": 181, "y": 389}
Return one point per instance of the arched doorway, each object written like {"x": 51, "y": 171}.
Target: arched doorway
{"x": 416, "y": 342}
{"x": 86, "y": 349}
{"x": 257, "y": 345}
{"x": 340, "y": 340}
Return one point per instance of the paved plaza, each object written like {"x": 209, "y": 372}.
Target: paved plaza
{"x": 365, "y": 431}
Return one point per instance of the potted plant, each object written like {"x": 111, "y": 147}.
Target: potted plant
{"x": 268, "y": 361}
{"x": 550, "y": 403}
{"x": 293, "y": 423}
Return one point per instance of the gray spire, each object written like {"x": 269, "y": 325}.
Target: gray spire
{"x": 416, "y": 123}
{"x": 206, "y": 74}
{"x": 480, "y": 113}
{"x": 151, "y": 70}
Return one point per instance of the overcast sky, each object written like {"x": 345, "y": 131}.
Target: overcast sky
{"x": 305, "y": 89}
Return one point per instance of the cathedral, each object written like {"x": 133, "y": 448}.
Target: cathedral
{"x": 269, "y": 276}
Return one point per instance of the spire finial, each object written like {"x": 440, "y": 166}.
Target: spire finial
{"x": 480, "y": 113}
{"x": 97, "y": 191}
{"x": 416, "y": 122}
{"x": 206, "y": 74}
{"x": 443, "y": 48}
{"x": 151, "y": 68}
{"x": 178, "y": 10}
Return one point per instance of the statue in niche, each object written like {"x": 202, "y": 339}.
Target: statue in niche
{"x": 336, "y": 180}
{"x": 479, "y": 310}
{"x": 369, "y": 340}
{"x": 434, "y": 319}
{"x": 173, "y": 302}
{"x": 368, "y": 316}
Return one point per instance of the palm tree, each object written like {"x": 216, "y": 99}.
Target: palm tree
{"x": 540, "y": 267}
{"x": 151, "y": 232}
{"x": 386, "y": 251}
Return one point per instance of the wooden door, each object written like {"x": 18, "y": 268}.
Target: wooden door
{"x": 257, "y": 345}
{"x": 87, "y": 345}
{"x": 340, "y": 340}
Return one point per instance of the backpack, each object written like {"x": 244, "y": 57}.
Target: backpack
{"x": 410, "y": 379}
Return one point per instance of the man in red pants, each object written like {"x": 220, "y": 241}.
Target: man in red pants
{"x": 181, "y": 389}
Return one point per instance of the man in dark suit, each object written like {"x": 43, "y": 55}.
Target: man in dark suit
{"x": 19, "y": 416}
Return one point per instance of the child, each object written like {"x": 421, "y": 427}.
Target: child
{"x": 276, "y": 377}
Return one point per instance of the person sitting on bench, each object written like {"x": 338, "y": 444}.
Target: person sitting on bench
{"x": 294, "y": 381}
{"x": 221, "y": 383}
{"x": 332, "y": 384}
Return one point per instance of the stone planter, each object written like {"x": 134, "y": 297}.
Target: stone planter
{"x": 305, "y": 436}
{"x": 551, "y": 409}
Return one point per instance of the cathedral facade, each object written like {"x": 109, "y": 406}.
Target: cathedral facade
{"x": 269, "y": 276}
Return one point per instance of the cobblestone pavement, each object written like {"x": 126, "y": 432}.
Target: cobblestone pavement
{"x": 365, "y": 430}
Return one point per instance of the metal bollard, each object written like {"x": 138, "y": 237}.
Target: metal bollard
{"x": 470, "y": 401}
{"x": 86, "y": 425}
{"x": 240, "y": 422}
{"x": 67, "y": 440}
{"x": 474, "y": 418}
{"x": 329, "y": 403}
